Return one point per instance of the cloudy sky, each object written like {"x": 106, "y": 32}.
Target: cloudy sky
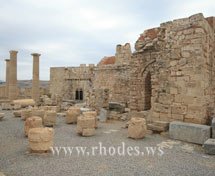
{"x": 71, "y": 32}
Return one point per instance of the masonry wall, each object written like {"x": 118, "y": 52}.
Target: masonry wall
{"x": 179, "y": 55}
{"x": 64, "y": 81}
{"x": 2, "y": 92}
{"x": 115, "y": 79}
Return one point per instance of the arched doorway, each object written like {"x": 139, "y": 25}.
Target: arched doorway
{"x": 148, "y": 92}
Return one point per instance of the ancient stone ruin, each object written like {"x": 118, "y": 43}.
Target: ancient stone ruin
{"x": 166, "y": 84}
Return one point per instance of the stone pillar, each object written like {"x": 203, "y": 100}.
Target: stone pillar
{"x": 7, "y": 79}
{"x": 36, "y": 79}
{"x": 13, "y": 75}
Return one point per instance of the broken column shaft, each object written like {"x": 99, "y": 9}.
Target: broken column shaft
{"x": 36, "y": 79}
{"x": 13, "y": 75}
{"x": 7, "y": 77}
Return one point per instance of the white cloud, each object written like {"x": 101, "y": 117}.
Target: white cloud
{"x": 70, "y": 32}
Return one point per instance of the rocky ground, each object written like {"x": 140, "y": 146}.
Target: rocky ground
{"x": 178, "y": 159}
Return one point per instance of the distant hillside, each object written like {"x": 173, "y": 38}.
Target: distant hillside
{"x": 28, "y": 83}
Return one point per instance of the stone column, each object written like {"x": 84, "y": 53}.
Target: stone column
{"x": 36, "y": 78}
{"x": 7, "y": 79}
{"x": 13, "y": 75}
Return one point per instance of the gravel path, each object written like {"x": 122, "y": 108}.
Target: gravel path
{"x": 178, "y": 158}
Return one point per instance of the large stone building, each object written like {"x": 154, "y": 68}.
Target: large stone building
{"x": 170, "y": 74}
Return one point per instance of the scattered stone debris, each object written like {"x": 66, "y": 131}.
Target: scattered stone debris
{"x": 137, "y": 128}
{"x": 209, "y": 147}
{"x": 1, "y": 116}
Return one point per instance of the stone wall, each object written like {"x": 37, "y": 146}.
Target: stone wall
{"x": 2, "y": 91}
{"x": 115, "y": 79}
{"x": 64, "y": 81}
{"x": 123, "y": 54}
{"x": 179, "y": 56}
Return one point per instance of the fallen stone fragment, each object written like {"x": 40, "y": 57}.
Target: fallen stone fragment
{"x": 32, "y": 122}
{"x": 103, "y": 115}
{"x": 17, "y": 113}
{"x": 209, "y": 147}
{"x": 26, "y": 114}
{"x": 1, "y": 116}
{"x": 50, "y": 118}
{"x": 137, "y": 128}
{"x": 72, "y": 115}
{"x": 40, "y": 139}
{"x": 88, "y": 132}
{"x": 189, "y": 132}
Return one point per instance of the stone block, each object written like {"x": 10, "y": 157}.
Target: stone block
{"x": 25, "y": 102}
{"x": 26, "y": 113}
{"x": 137, "y": 128}
{"x": 88, "y": 132}
{"x": 209, "y": 147}
{"x": 103, "y": 115}
{"x": 38, "y": 113}
{"x": 17, "y": 106}
{"x": 213, "y": 128}
{"x": 115, "y": 106}
{"x": 32, "y": 122}
{"x": 1, "y": 115}
{"x": 6, "y": 106}
{"x": 50, "y": 118}
{"x": 85, "y": 122}
{"x": 72, "y": 115}
{"x": 40, "y": 139}
{"x": 91, "y": 114}
{"x": 156, "y": 128}
{"x": 189, "y": 132}
{"x": 17, "y": 113}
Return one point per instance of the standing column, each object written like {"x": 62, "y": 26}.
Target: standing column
{"x": 7, "y": 77}
{"x": 36, "y": 78}
{"x": 13, "y": 75}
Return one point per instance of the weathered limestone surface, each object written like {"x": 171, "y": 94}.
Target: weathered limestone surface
{"x": 50, "y": 108}
{"x": 72, "y": 115}
{"x": 17, "y": 113}
{"x": 209, "y": 147}
{"x": 170, "y": 74}
{"x": 137, "y": 128}
{"x": 1, "y": 115}
{"x": 86, "y": 123}
{"x": 6, "y": 106}
{"x": 103, "y": 115}
{"x": 25, "y": 114}
{"x": 25, "y": 102}
{"x": 213, "y": 128}
{"x": 88, "y": 132}
{"x": 189, "y": 132}
{"x": 36, "y": 77}
{"x": 38, "y": 113}
{"x": 40, "y": 139}
{"x": 92, "y": 114}
{"x": 32, "y": 122}
{"x": 49, "y": 119}
{"x": 7, "y": 77}
{"x": 13, "y": 75}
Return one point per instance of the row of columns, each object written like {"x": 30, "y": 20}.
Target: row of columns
{"x": 11, "y": 76}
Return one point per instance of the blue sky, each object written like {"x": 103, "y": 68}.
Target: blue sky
{"x": 71, "y": 32}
